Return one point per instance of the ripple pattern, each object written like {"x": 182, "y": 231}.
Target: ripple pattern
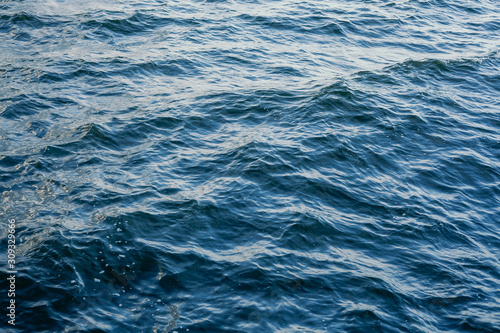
{"x": 249, "y": 166}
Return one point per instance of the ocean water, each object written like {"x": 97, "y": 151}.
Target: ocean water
{"x": 251, "y": 166}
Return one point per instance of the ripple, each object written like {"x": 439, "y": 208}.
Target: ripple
{"x": 236, "y": 166}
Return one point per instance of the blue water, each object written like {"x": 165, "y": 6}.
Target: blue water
{"x": 251, "y": 166}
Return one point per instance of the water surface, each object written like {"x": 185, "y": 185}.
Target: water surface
{"x": 252, "y": 166}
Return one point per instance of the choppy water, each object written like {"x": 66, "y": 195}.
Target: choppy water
{"x": 252, "y": 166}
